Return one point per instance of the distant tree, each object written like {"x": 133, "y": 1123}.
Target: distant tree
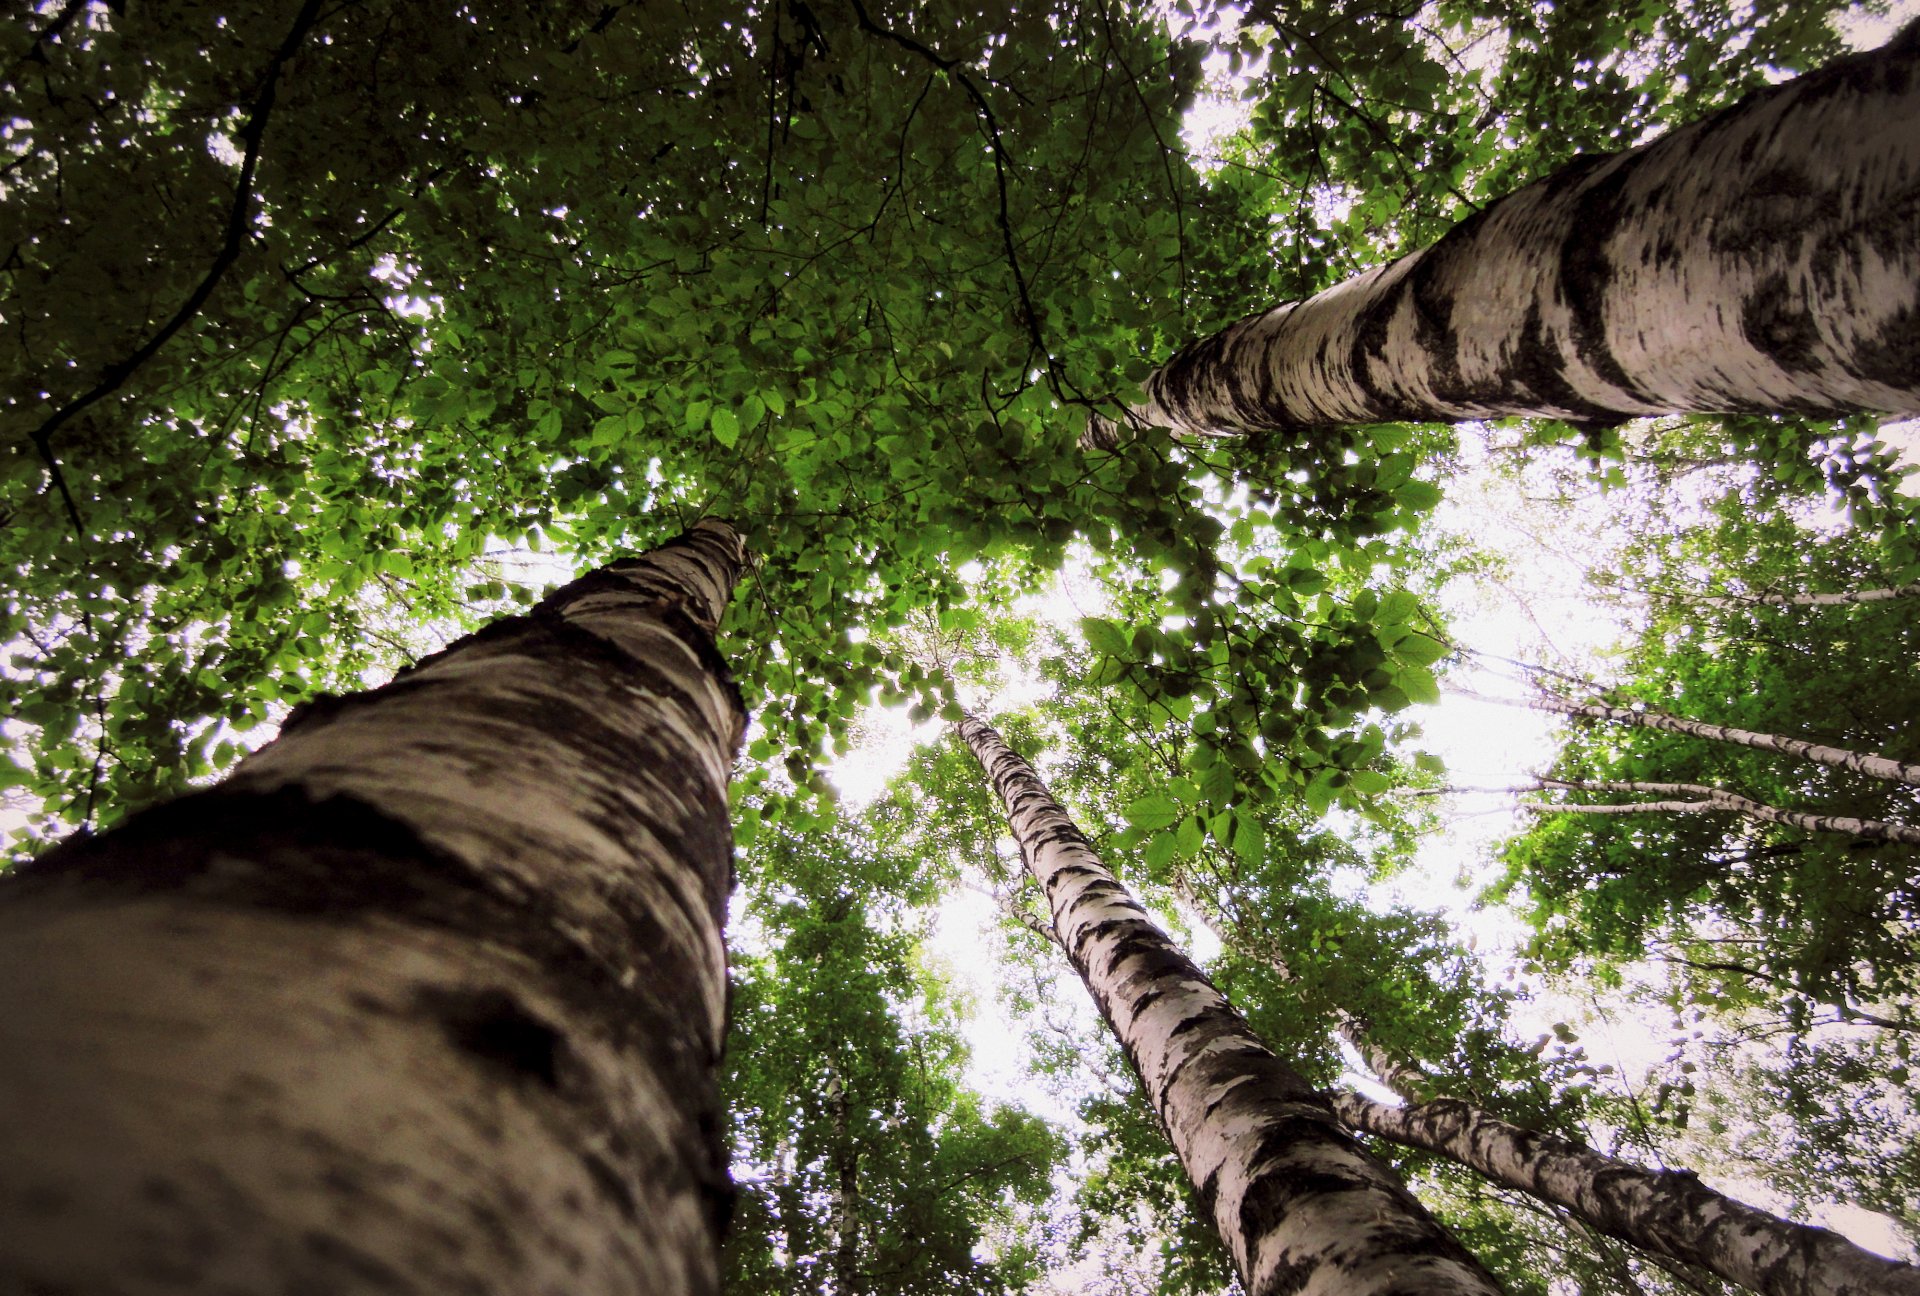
{"x": 1298, "y": 1207}
{"x": 866, "y": 1165}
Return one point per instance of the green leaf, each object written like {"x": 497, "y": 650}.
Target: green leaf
{"x": 1369, "y": 782}
{"x": 1104, "y": 636}
{"x": 1153, "y": 812}
{"x": 726, "y": 426}
{"x": 1417, "y": 496}
{"x": 1417, "y": 683}
{"x": 1420, "y": 649}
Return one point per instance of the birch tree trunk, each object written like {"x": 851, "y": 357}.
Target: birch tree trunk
{"x": 1880, "y": 767}
{"x": 1303, "y": 1211}
{"x": 426, "y": 997}
{"x": 1668, "y": 1213}
{"x": 1716, "y": 801}
{"x": 1764, "y": 259}
{"x": 1886, "y": 594}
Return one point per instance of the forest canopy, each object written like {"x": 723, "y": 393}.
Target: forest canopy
{"x": 335, "y": 332}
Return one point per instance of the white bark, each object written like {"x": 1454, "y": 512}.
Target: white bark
{"x": 426, "y": 997}
{"x": 1880, "y": 767}
{"x": 1302, "y": 1210}
{"x": 1669, "y": 1213}
{"x": 1714, "y": 800}
{"x": 1843, "y": 599}
{"x": 1764, "y": 259}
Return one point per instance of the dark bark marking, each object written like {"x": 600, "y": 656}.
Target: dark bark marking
{"x": 341, "y": 1258}
{"x": 495, "y": 1027}
{"x": 1536, "y": 372}
{"x": 1893, "y": 357}
{"x": 1780, "y": 327}
{"x": 1585, "y": 271}
{"x": 1780, "y": 205}
{"x": 609, "y": 1182}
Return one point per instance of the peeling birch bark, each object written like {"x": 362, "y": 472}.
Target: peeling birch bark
{"x": 426, "y": 997}
{"x": 1880, "y": 767}
{"x": 1716, "y": 801}
{"x": 1303, "y": 1210}
{"x": 1764, "y": 259}
{"x": 1669, "y": 1213}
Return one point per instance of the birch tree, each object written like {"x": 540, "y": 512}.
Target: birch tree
{"x": 1299, "y": 1208}
{"x": 1698, "y": 798}
{"x": 1641, "y": 716}
{"x": 427, "y": 995}
{"x": 1668, "y": 1212}
{"x": 1761, "y": 259}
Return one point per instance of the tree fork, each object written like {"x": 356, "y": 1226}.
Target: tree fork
{"x": 426, "y": 997}
{"x": 1763, "y": 259}
{"x": 1669, "y": 1213}
{"x": 1303, "y": 1210}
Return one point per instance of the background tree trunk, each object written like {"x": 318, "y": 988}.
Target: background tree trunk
{"x": 1302, "y": 1209}
{"x": 1764, "y": 259}
{"x": 1717, "y": 801}
{"x": 1670, "y": 1213}
{"x": 1880, "y": 767}
{"x": 426, "y": 997}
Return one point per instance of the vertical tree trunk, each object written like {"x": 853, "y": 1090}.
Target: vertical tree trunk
{"x": 846, "y": 1215}
{"x": 1880, "y": 767}
{"x": 1669, "y": 1213}
{"x": 1714, "y": 800}
{"x": 1302, "y": 1210}
{"x": 1764, "y": 259}
{"x": 426, "y": 997}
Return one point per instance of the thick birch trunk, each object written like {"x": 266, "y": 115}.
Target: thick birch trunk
{"x": 1300, "y": 1207}
{"x": 1880, "y": 767}
{"x": 426, "y": 997}
{"x": 1716, "y": 801}
{"x": 1765, "y": 259}
{"x": 1668, "y": 1213}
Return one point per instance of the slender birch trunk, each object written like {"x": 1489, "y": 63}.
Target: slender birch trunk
{"x": 1714, "y": 800}
{"x": 1763, "y": 259}
{"x": 846, "y": 1218}
{"x": 1846, "y": 598}
{"x": 1880, "y": 767}
{"x": 1302, "y": 1209}
{"x": 426, "y": 997}
{"x": 1668, "y": 1213}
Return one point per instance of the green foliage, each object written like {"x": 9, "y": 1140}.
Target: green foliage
{"x": 1754, "y": 914}
{"x": 843, "y": 1072}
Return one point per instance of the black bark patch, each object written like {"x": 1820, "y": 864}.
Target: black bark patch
{"x": 1776, "y": 321}
{"x": 1586, "y": 272}
{"x": 1893, "y": 356}
{"x": 1537, "y": 374}
{"x": 611, "y": 1185}
{"x": 495, "y": 1027}
{"x": 340, "y": 1260}
{"x": 1780, "y": 205}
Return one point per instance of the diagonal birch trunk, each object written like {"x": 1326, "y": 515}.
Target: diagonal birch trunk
{"x": 1716, "y": 801}
{"x": 1669, "y": 1213}
{"x": 1880, "y": 767}
{"x": 1764, "y": 259}
{"x": 1302, "y": 1210}
{"x": 426, "y": 997}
